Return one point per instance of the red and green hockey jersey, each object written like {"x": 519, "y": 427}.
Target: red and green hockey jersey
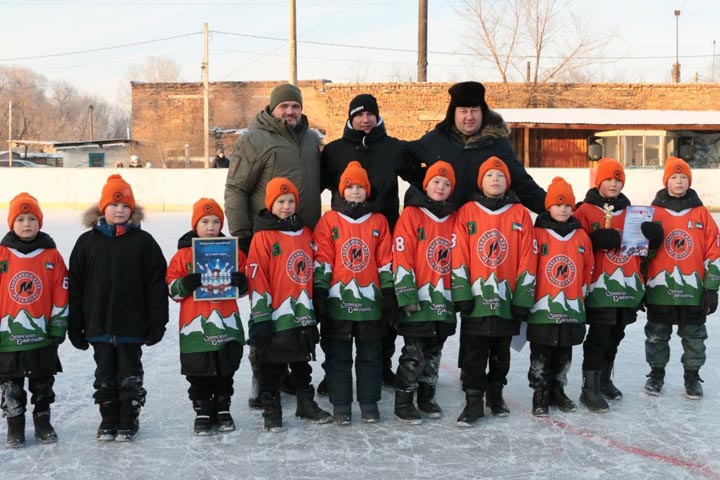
{"x": 353, "y": 262}
{"x": 617, "y": 280}
{"x": 34, "y": 299}
{"x": 279, "y": 270}
{"x": 204, "y": 326}
{"x": 688, "y": 259}
{"x": 422, "y": 265}
{"x": 493, "y": 260}
{"x": 564, "y": 271}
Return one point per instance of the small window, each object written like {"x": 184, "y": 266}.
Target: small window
{"x": 96, "y": 160}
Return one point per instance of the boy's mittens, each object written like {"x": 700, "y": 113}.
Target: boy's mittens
{"x": 464, "y": 306}
{"x": 320, "y": 303}
{"x": 57, "y": 340}
{"x": 239, "y": 280}
{"x": 191, "y": 282}
{"x": 78, "y": 340}
{"x": 389, "y": 302}
{"x": 605, "y": 239}
{"x": 709, "y": 301}
{"x": 154, "y": 335}
{"x": 263, "y": 333}
{"x": 412, "y": 308}
{"x": 653, "y": 231}
{"x": 520, "y": 313}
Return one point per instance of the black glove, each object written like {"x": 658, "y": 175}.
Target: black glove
{"x": 191, "y": 281}
{"x": 412, "y": 308}
{"x": 78, "y": 340}
{"x": 465, "y": 306}
{"x": 239, "y": 280}
{"x": 320, "y": 296}
{"x": 263, "y": 333}
{"x": 605, "y": 239}
{"x": 709, "y": 301}
{"x": 57, "y": 340}
{"x": 653, "y": 231}
{"x": 520, "y": 313}
{"x": 389, "y": 302}
{"x": 154, "y": 335}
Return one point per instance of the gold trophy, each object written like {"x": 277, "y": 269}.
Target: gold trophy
{"x": 607, "y": 210}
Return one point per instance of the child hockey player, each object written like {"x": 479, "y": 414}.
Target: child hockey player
{"x": 682, "y": 279}
{"x": 118, "y": 302}
{"x": 34, "y": 311}
{"x": 617, "y": 287}
{"x": 493, "y": 286}
{"x": 280, "y": 278}
{"x": 557, "y": 320}
{"x": 421, "y": 267}
{"x": 353, "y": 270}
{"x": 211, "y": 333}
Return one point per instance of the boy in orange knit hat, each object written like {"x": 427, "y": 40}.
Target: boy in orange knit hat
{"x": 421, "y": 267}
{"x": 33, "y": 279}
{"x": 557, "y": 320}
{"x": 682, "y": 279}
{"x": 353, "y": 293}
{"x": 211, "y": 333}
{"x": 279, "y": 272}
{"x": 118, "y": 302}
{"x": 493, "y": 276}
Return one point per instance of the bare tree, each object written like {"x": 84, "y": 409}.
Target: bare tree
{"x": 534, "y": 41}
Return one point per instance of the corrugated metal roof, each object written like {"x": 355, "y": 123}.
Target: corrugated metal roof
{"x": 599, "y": 116}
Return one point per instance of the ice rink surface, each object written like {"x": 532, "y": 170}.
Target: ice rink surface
{"x": 665, "y": 437}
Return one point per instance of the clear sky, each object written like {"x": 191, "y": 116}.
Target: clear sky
{"x": 643, "y": 33}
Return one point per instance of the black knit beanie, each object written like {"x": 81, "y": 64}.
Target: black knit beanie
{"x": 363, "y": 103}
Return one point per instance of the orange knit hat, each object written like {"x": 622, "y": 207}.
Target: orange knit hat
{"x": 559, "y": 192}
{"x": 204, "y": 207}
{"x": 24, "y": 203}
{"x": 116, "y": 190}
{"x": 607, "y": 169}
{"x": 493, "y": 163}
{"x": 675, "y": 165}
{"x": 440, "y": 169}
{"x": 354, "y": 174}
{"x": 279, "y": 186}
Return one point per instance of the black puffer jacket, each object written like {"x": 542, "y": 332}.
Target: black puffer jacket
{"x": 384, "y": 157}
{"x": 466, "y": 154}
{"x": 117, "y": 283}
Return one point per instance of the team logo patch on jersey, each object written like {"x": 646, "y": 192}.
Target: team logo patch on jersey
{"x": 617, "y": 257}
{"x": 517, "y": 227}
{"x": 49, "y": 266}
{"x": 3, "y": 266}
{"x": 438, "y": 255}
{"x": 472, "y": 228}
{"x": 492, "y": 248}
{"x": 276, "y": 251}
{"x": 355, "y": 254}
{"x": 335, "y": 233}
{"x": 299, "y": 267}
{"x": 679, "y": 245}
{"x": 420, "y": 234}
{"x": 560, "y": 271}
{"x": 25, "y": 288}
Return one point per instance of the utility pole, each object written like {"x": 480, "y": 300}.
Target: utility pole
{"x": 91, "y": 113}
{"x": 206, "y": 99}
{"x": 712, "y": 72}
{"x": 676, "y": 67}
{"x": 10, "y": 134}
{"x": 293, "y": 45}
{"x": 422, "y": 41}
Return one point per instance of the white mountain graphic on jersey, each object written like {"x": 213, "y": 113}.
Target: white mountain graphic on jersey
{"x": 215, "y": 319}
{"x": 618, "y": 282}
{"x": 341, "y": 291}
{"x": 289, "y": 305}
{"x": 557, "y": 304}
{"x": 675, "y": 279}
{"x": 24, "y": 320}
{"x": 425, "y": 293}
{"x": 500, "y": 288}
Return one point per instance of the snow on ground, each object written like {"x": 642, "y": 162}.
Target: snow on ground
{"x": 668, "y": 437}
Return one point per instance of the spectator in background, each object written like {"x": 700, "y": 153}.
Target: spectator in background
{"x": 220, "y": 160}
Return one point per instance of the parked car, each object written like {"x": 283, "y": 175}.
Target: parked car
{"x": 20, "y": 163}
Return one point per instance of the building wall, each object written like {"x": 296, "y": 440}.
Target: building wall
{"x": 168, "y": 116}
{"x": 79, "y": 157}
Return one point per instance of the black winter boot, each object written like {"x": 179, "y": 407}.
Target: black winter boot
{"x": 203, "y": 417}
{"x": 272, "y": 412}
{"x": 560, "y": 400}
{"x": 307, "y": 407}
{"x": 222, "y": 418}
{"x": 655, "y": 381}
{"x": 495, "y": 401}
{"x": 254, "y": 401}
{"x": 128, "y": 423}
{"x": 405, "y": 410}
{"x": 342, "y": 413}
{"x": 541, "y": 403}
{"x": 474, "y": 408}
{"x": 591, "y": 396}
{"x": 107, "y": 430}
{"x": 693, "y": 389}
{"x": 370, "y": 412}
{"x": 426, "y": 401}
{"x": 607, "y": 387}
{"x": 44, "y": 431}
{"x": 16, "y": 431}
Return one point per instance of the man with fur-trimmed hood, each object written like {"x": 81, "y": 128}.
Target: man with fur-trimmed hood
{"x": 469, "y": 134}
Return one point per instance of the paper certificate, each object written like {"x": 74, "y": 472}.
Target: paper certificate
{"x": 215, "y": 259}
{"x": 633, "y": 241}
